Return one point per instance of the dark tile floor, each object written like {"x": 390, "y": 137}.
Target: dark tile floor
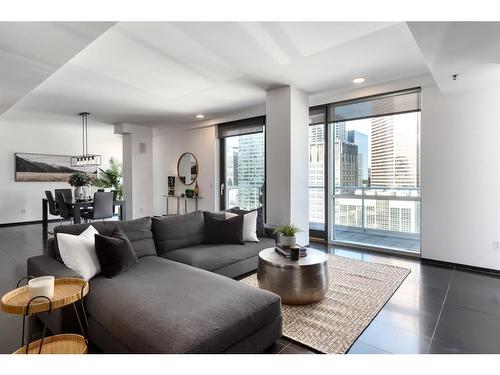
{"x": 436, "y": 309}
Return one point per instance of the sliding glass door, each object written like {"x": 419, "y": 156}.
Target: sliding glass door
{"x": 242, "y": 164}
{"x": 374, "y": 150}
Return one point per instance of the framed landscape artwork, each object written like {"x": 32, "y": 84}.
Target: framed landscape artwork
{"x": 47, "y": 168}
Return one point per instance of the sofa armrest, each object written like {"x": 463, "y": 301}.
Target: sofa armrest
{"x": 269, "y": 230}
{"x": 43, "y": 265}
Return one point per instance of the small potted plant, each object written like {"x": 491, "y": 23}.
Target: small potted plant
{"x": 79, "y": 180}
{"x": 287, "y": 234}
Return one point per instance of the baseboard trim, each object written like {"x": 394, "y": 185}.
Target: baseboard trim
{"x": 27, "y": 223}
{"x": 460, "y": 266}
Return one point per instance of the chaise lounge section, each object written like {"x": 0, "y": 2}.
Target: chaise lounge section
{"x": 180, "y": 302}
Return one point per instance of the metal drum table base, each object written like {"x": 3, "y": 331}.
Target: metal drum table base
{"x": 297, "y": 282}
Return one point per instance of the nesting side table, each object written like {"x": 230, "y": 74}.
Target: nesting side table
{"x": 67, "y": 291}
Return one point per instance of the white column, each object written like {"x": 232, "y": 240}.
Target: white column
{"x": 287, "y": 159}
{"x": 137, "y": 169}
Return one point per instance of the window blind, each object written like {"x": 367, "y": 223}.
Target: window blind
{"x": 241, "y": 127}
{"x": 376, "y": 106}
{"x": 317, "y": 115}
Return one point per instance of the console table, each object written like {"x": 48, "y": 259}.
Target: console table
{"x": 179, "y": 198}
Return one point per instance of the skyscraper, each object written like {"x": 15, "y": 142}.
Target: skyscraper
{"x": 340, "y": 132}
{"x": 346, "y": 164}
{"x": 316, "y": 174}
{"x": 250, "y": 174}
{"x": 394, "y": 154}
{"x": 361, "y": 140}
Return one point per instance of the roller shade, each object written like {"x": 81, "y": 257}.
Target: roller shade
{"x": 241, "y": 127}
{"x": 317, "y": 115}
{"x": 376, "y": 106}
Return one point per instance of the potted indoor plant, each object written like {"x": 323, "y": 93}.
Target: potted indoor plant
{"x": 79, "y": 180}
{"x": 111, "y": 178}
{"x": 287, "y": 234}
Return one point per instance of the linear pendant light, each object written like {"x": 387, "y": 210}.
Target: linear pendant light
{"x": 85, "y": 159}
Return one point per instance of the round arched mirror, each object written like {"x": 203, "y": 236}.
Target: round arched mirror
{"x": 187, "y": 168}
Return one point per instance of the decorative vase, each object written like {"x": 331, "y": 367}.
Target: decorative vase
{"x": 86, "y": 191}
{"x": 288, "y": 241}
{"x": 196, "y": 190}
{"x": 79, "y": 192}
{"x": 189, "y": 193}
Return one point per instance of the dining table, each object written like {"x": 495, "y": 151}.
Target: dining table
{"x": 77, "y": 205}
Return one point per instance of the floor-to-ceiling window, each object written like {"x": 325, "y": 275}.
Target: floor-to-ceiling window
{"x": 374, "y": 149}
{"x": 242, "y": 164}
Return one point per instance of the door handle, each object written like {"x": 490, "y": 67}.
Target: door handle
{"x": 221, "y": 189}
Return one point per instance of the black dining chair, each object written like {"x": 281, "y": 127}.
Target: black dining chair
{"x": 53, "y": 208}
{"x": 64, "y": 211}
{"x": 103, "y": 207}
{"x": 68, "y": 195}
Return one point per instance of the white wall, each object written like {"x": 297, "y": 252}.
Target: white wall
{"x": 137, "y": 169}
{"x": 168, "y": 147}
{"x": 48, "y": 134}
{"x": 287, "y": 159}
{"x": 461, "y": 177}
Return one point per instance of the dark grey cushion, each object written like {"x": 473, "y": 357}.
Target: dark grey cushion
{"x": 160, "y": 306}
{"x": 260, "y": 228}
{"x": 175, "y": 232}
{"x": 213, "y": 257}
{"x": 115, "y": 252}
{"x": 221, "y": 230}
{"x": 138, "y": 231}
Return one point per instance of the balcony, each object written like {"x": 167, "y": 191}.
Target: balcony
{"x": 373, "y": 216}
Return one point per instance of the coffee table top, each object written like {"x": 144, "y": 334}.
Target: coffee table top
{"x": 313, "y": 257}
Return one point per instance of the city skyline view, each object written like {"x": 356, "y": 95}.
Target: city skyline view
{"x": 376, "y": 170}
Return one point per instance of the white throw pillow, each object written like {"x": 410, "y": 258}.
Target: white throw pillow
{"x": 249, "y": 225}
{"x": 78, "y": 252}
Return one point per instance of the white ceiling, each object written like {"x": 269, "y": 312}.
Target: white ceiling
{"x": 31, "y": 51}
{"x": 469, "y": 49}
{"x": 164, "y": 73}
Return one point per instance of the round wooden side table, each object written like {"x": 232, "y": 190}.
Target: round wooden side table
{"x": 67, "y": 291}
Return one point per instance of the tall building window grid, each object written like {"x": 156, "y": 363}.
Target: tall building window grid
{"x": 317, "y": 177}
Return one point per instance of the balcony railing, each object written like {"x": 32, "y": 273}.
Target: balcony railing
{"x": 373, "y": 215}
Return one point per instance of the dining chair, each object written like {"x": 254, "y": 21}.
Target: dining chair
{"x": 53, "y": 208}
{"x": 64, "y": 211}
{"x": 68, "y": 195}
{"x": 103, "y": 207}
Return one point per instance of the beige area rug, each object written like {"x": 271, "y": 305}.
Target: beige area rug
{"x": 358, "y": 290}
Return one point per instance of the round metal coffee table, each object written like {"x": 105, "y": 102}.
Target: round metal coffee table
{"x": 296, "y": 282}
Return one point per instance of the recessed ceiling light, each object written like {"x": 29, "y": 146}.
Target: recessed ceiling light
{"x": 358, "y": 80}
{"x": 200, "y": 116}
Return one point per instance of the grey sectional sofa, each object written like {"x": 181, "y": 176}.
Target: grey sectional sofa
{"x": 179, "y": 298}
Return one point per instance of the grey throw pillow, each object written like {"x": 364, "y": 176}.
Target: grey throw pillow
{"x": 175, "y": 232}
{"x": 223, "y": 231}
